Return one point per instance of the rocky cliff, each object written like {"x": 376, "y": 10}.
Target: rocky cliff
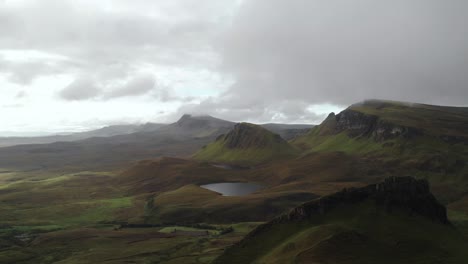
{"x": 396, "y": 193}
{"x": 357, "y": 124}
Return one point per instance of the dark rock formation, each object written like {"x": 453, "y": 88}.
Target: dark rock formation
{"x": 245, "y": 136}
{"x": 357, "y": 124}
{"x": 396, "y": 193}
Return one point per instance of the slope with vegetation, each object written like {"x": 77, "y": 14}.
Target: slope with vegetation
{"x": 396, "y": 221}
{"x": 246, "y": 144}
{"x": 423, "y": 140}
{"x": 362, "y": 145}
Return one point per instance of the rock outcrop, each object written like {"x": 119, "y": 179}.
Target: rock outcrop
{"x": 357, "y": 124}
{"x": 405, "y": 194}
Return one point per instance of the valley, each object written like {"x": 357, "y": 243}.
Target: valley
{"x": 140, "y": 197}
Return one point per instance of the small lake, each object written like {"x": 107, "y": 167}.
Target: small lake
{"x": 233, "y": 188}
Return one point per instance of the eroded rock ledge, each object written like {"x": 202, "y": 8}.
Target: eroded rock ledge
{"x": 396, "y": 193}
{"x": 357, "y": 124}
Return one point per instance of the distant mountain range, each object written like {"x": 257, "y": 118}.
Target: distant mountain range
{"x": 108, "y": 131}
{"x": 119, "y": 145}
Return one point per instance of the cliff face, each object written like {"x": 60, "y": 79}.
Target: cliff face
{"x": 396, "y": 193}
{"x": 371, "y": 224}
{"x": 357, "y": 124}
{"x": 403, "y": 193}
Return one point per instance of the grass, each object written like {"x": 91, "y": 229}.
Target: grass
{"x": 145, "y": 245}
{"x": 217, "y": 152}
{"x": 353, "y": 234}
{"x": 260, "y": 146}
{"x": 340, "y": 142}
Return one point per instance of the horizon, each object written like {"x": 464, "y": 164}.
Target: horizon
{"x": 143, "y": 61}
{"x": 29, "y": 133}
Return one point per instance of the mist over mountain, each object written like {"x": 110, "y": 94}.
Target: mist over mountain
{"x": 221, "y": 131}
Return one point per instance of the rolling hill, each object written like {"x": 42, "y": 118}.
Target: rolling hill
{"x": 246, "y": 144}
{"x": 396, "y": 221}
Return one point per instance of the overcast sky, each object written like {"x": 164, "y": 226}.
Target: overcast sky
{"x": 69, "y": 65}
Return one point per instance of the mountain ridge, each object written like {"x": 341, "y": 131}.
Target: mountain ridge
{"x": 312, "y": 233}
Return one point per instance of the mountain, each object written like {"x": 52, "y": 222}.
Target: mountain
{"x": 180, "y": 139}
{"x": 246, "y": 144}
{"x": 425, "y": 140}
{"x": 395, "y": 221}
{"x": 387, "y": 120}
{"x": 108, "y": 131}
{"x": 198, "y": 126}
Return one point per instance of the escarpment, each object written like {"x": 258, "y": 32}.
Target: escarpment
{"x": 357, "y": 124}
{"x": 405, "y": 194}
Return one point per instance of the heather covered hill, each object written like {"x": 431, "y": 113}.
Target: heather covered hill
{"x": 246, "y": 144}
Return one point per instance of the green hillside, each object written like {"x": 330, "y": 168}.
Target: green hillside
{"x": 397, "y": 221}
{"x": 410, "y": 139}
{"x": 246, "y": 144}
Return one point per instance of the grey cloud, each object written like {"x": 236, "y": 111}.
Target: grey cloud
{"x": 112, "y": 41}
{"x": 81, "y": 89}
{"x": 137, "y": 86}
{"x": 281, "y": 112}
{"x": 83, "y": 31}
{"x": 24, "y": 72}
{"x": 342, "y": 51}
{"x": 144, "y": 84}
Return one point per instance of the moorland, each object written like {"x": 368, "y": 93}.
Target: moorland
{"x": 379, "y": 182}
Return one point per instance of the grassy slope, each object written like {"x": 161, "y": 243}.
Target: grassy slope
{"x": 105, "y": 245}
{"x": 217, "y": 151}
{"x": 434, "y": 119}
{"x": 444, "y": 164}
{"x": 67, "y": 218}
{"x": 354, "y": 234}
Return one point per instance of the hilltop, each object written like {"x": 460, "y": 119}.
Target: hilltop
{"x": 246, "y": 144}
{"x": 396, "y": 221}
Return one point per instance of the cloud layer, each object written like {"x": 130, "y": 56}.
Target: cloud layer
{"x": 346, "y": 51}
{"x": 256, "y": 60}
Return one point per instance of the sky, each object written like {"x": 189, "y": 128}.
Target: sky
{"x": 74, "y": 65}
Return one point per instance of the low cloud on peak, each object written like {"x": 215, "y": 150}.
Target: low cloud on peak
{"x": 257, "y": 60}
